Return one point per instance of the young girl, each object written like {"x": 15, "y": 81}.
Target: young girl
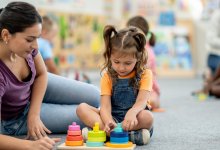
{"x": 141, "y": 23}
{"x": 125, "y": 86}
{"x": 25, "y": 84}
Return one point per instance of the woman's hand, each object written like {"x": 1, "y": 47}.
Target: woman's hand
{"x": 109, "y": 126}
{"x": 44, "y": 143}
{"x": 36, "y": 128}
{"x": 130, "y": 120}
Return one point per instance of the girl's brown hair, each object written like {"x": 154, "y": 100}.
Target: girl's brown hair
{"x": 141, "y": 22}
{"x": 123, "y": 41}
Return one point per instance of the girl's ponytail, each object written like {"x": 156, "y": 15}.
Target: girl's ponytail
{"x": 152, "y": 40}
{"x": 109, "y": 32}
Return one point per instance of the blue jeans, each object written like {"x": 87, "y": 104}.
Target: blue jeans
{"x": 58, "y": 109}
{"x": 213, "y": 62}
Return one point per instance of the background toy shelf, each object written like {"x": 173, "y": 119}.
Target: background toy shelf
{"x": 80, "y": 43}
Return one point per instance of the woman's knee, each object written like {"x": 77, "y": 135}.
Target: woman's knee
{"x": 81, "y": 108}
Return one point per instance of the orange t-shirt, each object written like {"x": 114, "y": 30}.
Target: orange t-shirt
{"x": 145, "y": 82}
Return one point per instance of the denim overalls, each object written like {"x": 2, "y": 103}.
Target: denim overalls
{"x": 123, "y": 98}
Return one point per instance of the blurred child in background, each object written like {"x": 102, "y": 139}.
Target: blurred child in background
{"x": 212, "y": 85}
{"x": 142, "y": 24}
{"x": 212, "y": 77}
{"x": 49, "y": 30}
{"x": 125, "y": 86}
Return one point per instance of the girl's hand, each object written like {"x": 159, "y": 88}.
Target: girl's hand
{"x": 36, "y": 128}
{"x": 110, "y": 126}
{"x": 44, "y": 143}
{"x": 130, "y": 120}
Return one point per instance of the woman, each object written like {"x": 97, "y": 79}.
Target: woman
{"x": 25, "y": 83}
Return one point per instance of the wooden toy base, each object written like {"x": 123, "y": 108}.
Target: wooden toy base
{"x": 64, "y": 147}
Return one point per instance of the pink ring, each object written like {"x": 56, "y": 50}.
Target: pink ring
{"x": 74, "y": 127}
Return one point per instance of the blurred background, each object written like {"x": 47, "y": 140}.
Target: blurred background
{"x": 180, "y": 27}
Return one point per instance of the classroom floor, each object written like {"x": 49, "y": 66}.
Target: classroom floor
{"x": 187, "y": 123}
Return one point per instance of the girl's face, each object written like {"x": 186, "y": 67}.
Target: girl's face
{"x": 123, "y": 64}
{"x": 22, "y": 43}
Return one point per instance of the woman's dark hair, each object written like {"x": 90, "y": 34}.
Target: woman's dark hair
{"x": 17, "y": 16}
{"x": 141, "y": 23}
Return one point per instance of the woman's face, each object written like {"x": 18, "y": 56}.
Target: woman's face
{"x": 22, "y": 43}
